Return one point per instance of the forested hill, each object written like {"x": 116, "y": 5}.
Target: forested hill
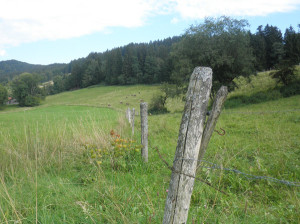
{"x": 134, "y": 63}
{"x": 224, "y": 44}
{"x": 130, "y": 64}
{"x": 11, "y": 68}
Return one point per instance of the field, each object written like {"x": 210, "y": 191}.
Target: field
{"x": 48, "y": 173}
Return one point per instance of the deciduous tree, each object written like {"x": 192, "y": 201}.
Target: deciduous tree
{"x": 26, "y": 90}
{"x": 222, "y": 44}
{"x": 3, "y": 95}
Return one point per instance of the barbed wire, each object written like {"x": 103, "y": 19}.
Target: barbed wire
{"x": 246, "y": 175}
{"x": 250, "y": 176}
{"x": 260, "y": 112}
{"x": 216, "y": 166}
{"x": 223, "y": 112}
{"x": 179, "y": 172}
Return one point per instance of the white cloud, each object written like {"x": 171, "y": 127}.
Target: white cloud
{"x": 2, "y": 52}
{"x": 174, "y": 20}
{"x": 32, "y": 20}
{"x": 197, "y": 9}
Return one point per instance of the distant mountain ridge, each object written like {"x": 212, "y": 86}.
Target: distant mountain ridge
{"x": 10, "y": 68}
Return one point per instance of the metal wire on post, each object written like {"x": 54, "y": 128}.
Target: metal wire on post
{"x": 214, "y": 166}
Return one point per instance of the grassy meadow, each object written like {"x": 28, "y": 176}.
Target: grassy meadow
{"x": 48, "y": 173}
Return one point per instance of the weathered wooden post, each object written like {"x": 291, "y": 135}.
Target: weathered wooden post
{"x": 128, "y": 115}
{"x": 212, "y": 120}
{"x": 188, "y": 145}
{"x": 144, "y": 130}
{"x": 132, "y": 120}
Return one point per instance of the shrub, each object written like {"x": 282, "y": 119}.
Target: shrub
{"x": 291, "y": 89}
{"x": 285, "y": 74}
{"x": 157, "y": 105}
{"x": 31, "y": 101}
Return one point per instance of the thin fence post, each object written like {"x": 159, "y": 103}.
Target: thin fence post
{"x": 132, "y": 120}
{"x": 212, "y": 120}
{"x": 189, "y": 140}
{"x": 128, "y": 115}
{"x": 144, "y": 130}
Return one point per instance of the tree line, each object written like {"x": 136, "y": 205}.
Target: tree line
{"x": 224, "y": 44}
{"x": 143, "y": 63}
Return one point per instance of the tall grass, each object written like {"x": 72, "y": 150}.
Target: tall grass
{"x": 39, "y": 145}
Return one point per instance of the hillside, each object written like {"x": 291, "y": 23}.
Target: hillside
{"x": 134, "y": 63}
{"x": 11, "y": 68}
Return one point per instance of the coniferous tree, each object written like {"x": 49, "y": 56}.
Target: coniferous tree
{"x": 151, "y": 70}
{"x": 274, "y": 46}
{"x": 292, "y": 45}
{"x": 258, "y": 44}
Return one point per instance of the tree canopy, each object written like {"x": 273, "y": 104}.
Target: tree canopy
{"x": 26, "y": 90}
{"x": 222, "y": 44}
{"x": 3, "y": 95}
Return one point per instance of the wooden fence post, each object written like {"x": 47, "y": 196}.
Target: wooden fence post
{"x": 189, "y": 140}
{"x": 144, "y": 130}
{"x": 128, "y": 115}
{"x": 212, "y": 120}
{"x": 132, "y": 120}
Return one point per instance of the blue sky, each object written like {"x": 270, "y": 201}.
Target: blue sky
{"x": 58, "y": 31}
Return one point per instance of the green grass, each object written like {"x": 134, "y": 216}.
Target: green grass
{"x": 46, "y": 172}
{"x": 105, "y": 96}
{"x": 261, "y": 88}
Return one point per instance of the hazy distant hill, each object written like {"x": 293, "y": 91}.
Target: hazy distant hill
{"x": 11, "y": 68}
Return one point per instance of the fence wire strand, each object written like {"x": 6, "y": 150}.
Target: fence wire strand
{"x": 196, "y": 178}
{"x": 260, "y": 112}
{"x": 218, "y": 167}
{"x": 246, "y": 175}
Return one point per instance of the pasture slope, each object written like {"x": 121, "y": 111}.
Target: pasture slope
{"x": 48, "y": 173}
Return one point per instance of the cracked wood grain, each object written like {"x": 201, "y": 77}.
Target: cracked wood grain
{"x": 188, "y": 145}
